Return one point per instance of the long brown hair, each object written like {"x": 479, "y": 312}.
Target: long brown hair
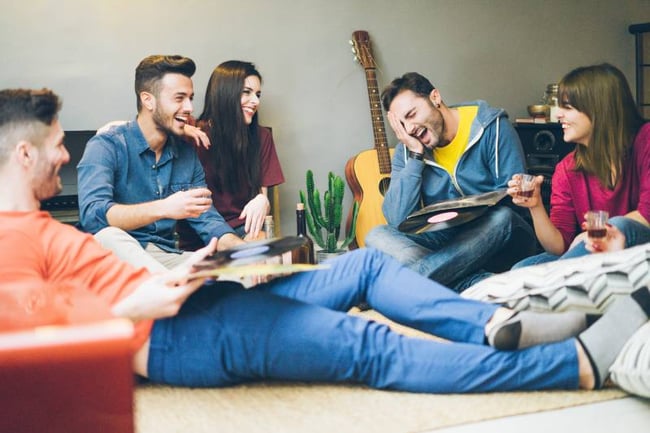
{"x": 603, "y": 94}
{"x": 235, "y": 146}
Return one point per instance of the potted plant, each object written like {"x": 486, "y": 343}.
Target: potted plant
{"x": 324, "y": 218}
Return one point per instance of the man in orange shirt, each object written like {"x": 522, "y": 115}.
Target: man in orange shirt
{"x": 292, "y": 328}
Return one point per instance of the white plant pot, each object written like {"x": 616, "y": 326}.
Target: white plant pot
{"x": 321, "y": 255}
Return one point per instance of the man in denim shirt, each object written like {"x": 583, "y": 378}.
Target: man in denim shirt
{"x": 137, "y": 179}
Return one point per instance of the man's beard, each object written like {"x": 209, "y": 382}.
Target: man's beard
{"x": 435, "y": 140}
{"x": 48, "y": 185}
{"x": 161, "y": 124}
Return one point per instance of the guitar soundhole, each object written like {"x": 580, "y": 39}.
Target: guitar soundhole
{"x": 383, "y": 185}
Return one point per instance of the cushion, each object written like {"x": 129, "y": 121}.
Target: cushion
{"x": 590, "y": 283}
{"x": 631, "y": 370}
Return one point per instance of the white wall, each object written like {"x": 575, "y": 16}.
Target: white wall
{"x": 314, "y": 95}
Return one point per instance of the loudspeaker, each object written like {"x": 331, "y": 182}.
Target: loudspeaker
{"x": 544, "y": 148}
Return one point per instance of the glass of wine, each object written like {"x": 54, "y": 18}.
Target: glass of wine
{"x": 596, "y": 223}
{"x": 526, "y": 185}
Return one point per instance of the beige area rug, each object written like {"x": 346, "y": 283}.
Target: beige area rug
{"x": 297, "y": 407}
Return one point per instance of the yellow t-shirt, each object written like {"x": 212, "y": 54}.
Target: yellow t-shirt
{"x": 449, "y": 155}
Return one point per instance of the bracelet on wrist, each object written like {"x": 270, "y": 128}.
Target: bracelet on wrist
{"x": 416, "y": 155}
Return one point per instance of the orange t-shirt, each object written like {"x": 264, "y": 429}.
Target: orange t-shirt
{"x": 40, "y": 254}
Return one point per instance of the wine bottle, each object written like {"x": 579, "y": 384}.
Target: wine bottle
{"x": 304, "y": 253}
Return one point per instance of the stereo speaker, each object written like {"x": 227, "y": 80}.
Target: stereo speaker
{"x": 544, "y": 147}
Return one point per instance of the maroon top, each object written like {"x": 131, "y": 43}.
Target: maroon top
{"x": 230, "y": 205}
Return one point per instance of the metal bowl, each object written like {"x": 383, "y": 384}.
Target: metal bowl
{"x": 538, "y": 110}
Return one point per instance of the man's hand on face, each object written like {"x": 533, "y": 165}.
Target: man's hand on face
{"x": 411, "y": 143}
{"x": 187, "y": 204}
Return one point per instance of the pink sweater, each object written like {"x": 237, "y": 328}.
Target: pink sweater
{"x": 574, "y": 192}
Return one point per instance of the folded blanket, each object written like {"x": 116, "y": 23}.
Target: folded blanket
{"x": 591, "y": 284}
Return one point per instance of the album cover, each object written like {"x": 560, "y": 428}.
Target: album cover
{"x": 257, "y": 269}
{"x": 450, "y": 213}
{"x": 477, "y": 200}
{"x": 254, "y": 258}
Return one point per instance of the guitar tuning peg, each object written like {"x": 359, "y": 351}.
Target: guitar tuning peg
{"x": 350, "y": 42}
{"x": 356, "y": 59}
{"x": 354, "y": 51}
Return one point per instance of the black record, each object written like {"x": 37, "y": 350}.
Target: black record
{"x": 251, "y": 252}
{"x": 441, "y": 220}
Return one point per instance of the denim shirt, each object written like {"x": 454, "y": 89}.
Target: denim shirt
{"x": 118, "y": 167}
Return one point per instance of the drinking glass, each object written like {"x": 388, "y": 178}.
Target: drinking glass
{"x": 596, "y": 223}
{"x": 526, "y": 185}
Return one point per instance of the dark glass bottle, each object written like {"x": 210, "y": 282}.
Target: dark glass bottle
{"x": 304, "y": 253}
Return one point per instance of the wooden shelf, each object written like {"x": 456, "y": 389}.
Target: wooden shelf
{"x": 641, "y": 34}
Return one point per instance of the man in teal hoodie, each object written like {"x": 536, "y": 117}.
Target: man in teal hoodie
{"x": 448, "y": 152}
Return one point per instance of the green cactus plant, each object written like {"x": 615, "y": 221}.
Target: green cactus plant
{"x": 324, "y": 218}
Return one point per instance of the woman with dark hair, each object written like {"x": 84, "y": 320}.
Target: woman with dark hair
{"x": 241, "y": 161}
{"x": 608, "y": 170}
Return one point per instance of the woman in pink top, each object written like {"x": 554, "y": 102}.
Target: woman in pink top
{"x": 607, "y": 171}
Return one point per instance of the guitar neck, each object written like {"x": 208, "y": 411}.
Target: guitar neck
{"x": 378, "y": 130}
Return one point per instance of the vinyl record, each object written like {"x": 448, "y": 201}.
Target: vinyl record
{"x": 441, "y": 220}
{"x": 466, "y": 202}
{"x": 251, "y": 252}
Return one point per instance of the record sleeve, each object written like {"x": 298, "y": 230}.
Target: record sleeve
{"x": 254, "y": 269}
{"x": 485, "y": 199}
{"x": 450, "y": 213}
{"x": 248, "y": 259}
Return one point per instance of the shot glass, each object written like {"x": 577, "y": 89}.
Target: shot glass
{"x": 596, "y": 223}
{"x": 526, "y": 185}
{"x": 200, "y": 187}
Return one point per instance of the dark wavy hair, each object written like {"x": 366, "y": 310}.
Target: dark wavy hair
{"x": 412, "y": 81}
{"x": 153, "y": 68}
{"x": 235, "y": 149}
{"x": 603, "y": 94}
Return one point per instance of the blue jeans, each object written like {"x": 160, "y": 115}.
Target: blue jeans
{"x": 635, "y": 234}
{"x": 450, "y": 256}
{"x": 296, "y": 328}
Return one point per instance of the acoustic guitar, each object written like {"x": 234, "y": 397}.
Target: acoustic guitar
{"x": 368, "y": 173}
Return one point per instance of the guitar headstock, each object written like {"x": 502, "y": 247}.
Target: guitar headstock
{"x": 362, "y": 50}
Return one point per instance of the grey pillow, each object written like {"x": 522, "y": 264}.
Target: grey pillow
{"x": 631, "y": 370}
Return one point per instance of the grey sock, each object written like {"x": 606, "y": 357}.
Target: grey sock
{"x": 528, "y": 328}
{"x": 604, "y": 339}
